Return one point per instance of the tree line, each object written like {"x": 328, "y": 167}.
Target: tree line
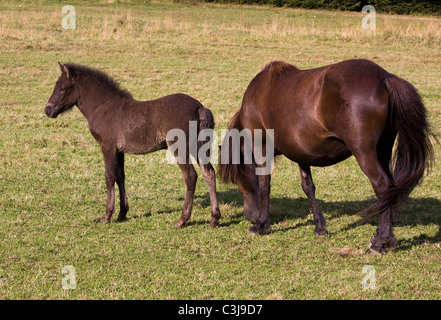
{"x": 426, "y": 7}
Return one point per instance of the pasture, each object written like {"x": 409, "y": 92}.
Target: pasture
{"x": 52, "y": 185}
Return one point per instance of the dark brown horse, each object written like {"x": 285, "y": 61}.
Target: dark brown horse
{"x": 121, "y": 124}
{"x": 323, "y": 116}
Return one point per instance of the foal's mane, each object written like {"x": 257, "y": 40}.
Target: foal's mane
{"x": 101, "y": 77}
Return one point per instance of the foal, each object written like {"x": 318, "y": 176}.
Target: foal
{"x": 121, "y": 124}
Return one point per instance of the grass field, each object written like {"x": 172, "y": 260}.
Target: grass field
{"x": 52, "y": 174}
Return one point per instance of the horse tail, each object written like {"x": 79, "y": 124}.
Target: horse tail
{"x": 228, "y": 170}
{"x": 414, "y": 151}
{"x": 206, "y": 121}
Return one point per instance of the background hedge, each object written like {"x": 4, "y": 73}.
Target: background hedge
{"x": 432, "y": 7}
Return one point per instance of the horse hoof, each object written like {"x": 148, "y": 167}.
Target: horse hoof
{"x": 180, "y": 224}
{"x": 101, "y": 220}
{"x": 322, "y": 232}
{"x": 256, "y": 229}
{"x": 214, "y": 224}
{"x": 375, "y": 249}
{"x": 382, "y": 246}
{"x": 373, "y": 252}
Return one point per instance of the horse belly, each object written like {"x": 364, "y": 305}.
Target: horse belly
{"x": 141, "y": 142}
{"x": 329, "y": 152}
{"x": 140, "y": 149}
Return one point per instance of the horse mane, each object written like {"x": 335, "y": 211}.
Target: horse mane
{"x": 227, "y": 171}
{"x": 278, "y": 68}
{"x": 101, "y": 78}
{"x": 234, "y": 120}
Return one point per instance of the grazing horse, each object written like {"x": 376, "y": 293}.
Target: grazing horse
{"x": 323, "y": 116}
{"x": 121, "y": 124}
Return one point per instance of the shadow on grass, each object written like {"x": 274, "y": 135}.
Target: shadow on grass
{"x": 416, "y": 211}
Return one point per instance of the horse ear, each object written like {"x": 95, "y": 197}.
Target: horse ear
{"x": 70, "y": 73}
{"x": 66, "y": 70}
{"x": 61, "y": 66}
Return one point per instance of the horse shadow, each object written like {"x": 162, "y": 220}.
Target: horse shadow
{"x": 416, "y": 211}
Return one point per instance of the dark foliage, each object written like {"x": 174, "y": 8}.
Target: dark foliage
{"x": 431, "y": 7}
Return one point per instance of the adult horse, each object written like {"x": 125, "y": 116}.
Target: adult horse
{"x": 323, "y": 116}
{"x": 121, "y": 124}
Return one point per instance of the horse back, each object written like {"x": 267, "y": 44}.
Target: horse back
{"x": 140, "y": 127}
{"x": 354, "y": 99}
{"x": 313, "y": 112}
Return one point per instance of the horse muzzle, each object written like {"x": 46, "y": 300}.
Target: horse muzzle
{"x": 51, "y": 111}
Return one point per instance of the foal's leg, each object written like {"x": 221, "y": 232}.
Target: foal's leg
{"x": 120, "y": 180}
{"x": 210, "y": 179}
{"x": 190, "y": 178}
{"x": 111, "y": 168}
{"x": 309, "y": 189}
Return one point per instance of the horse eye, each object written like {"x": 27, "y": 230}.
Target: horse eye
{"x": 63, "y": 89}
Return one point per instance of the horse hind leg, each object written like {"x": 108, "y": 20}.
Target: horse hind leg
{"x": 384, "y": 239}
{"x": 375, "y": 165}
{"x": 210, "y": 179}
{"x": 309, "y": 189}
{"x": 190, "y": 178}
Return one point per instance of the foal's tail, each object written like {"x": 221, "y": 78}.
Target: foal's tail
{"x": 414, "y": 152}
{"x": 206, "y": 121}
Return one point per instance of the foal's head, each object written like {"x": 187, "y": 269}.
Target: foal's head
{"x": 65, "y": 94}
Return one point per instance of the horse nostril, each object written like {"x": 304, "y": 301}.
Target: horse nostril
{"x": 47, "y": 109}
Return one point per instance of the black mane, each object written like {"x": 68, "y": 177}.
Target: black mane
{"x": 101, "y": 77}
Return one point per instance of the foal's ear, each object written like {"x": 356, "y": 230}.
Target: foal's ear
{"x": 61, "y": 67}
{"x": 70, "y": 74}
{"x": 66, "y": 70}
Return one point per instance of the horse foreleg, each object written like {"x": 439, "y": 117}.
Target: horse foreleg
{"x": 120, "y": 180}
{"x": 249, "y": 187}
{"x": 111, "y": 167}
{"x": 309, "y": 189}
{"x": 263, "y": 223}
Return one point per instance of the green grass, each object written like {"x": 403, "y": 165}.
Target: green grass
{"x": 52, "y": 174}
